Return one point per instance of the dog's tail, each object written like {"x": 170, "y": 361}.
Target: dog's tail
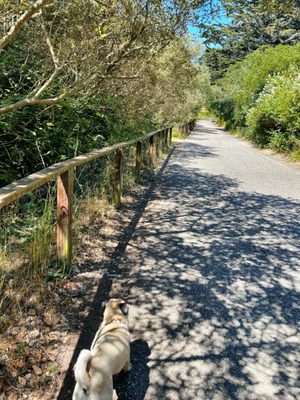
{"x": 81, "y": 368}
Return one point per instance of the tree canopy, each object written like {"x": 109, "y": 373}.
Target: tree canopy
{"x": 249, "y": 24}
{"x": 52, "y": 50}
{"x": 93, "y": 72}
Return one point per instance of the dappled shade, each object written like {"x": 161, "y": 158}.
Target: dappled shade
{"x": 213, "y": 288}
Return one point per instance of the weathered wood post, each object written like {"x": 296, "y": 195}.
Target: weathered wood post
{"x": 150, "y": 151}
{"x": 64, "y": 215}
{"x": 161, "y": 142}
{"x": 166, "y": 134}
{"x": 138, "y": 162}
{"x": 118, "y": 179}
{"x": 158, "y": 145}
{"x": 170, "y": 137}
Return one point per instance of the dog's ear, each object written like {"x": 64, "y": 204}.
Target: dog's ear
{"x": 104, "y": 304}
{"x": 124, "y": 308}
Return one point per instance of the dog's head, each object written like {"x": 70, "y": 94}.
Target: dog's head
{"x": 115, "y": 309}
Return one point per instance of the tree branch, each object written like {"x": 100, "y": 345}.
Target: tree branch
{"x": 17, "y": 26}
{"x": 58, "y": 99}
{"x": 49, "y": 44}
{"x": 33, "y": 101}
{"x": 40, "y": 90}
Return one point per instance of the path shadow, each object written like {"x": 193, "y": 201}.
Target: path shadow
{"x": 192, "y": 150}
{"x": 204, "y": 128}
{"x": 134, "y": 385}
{"x": 216, "y": 277}
{"x": 213, "y": 271}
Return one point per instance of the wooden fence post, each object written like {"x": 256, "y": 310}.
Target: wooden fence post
{"x": 161, "y": 142}
{"x": 138, "y": 162}
{"x": 118, "y": 179}
{"x": 150, "y": 151}
{"x": 158, "y": 145}
{"x": 166, "y": 134}
{"x": 64, "y": 215}
{"x": 170, "y": 137}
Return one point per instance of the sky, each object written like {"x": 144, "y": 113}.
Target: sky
{"x": 220, "y": 18}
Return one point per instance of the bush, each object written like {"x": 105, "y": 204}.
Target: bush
{"x": 274, "y": 120}
{"x": 283, "y": 142}
{"x": 33, "y": 138}
{"x": 246, "y": 79}
{"x": 238, "y": 91}
{"x": 224, "y": 110}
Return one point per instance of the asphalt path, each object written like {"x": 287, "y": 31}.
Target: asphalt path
{"x": 213, "y": 277}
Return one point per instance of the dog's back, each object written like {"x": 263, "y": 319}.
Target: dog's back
{"x": 111, "y": 350}
{"x": 109, "y": 354}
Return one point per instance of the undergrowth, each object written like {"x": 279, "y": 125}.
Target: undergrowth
{"x": 26, "y": 253}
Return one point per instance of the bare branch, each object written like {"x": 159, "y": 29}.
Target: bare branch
{"x": 47, "y": 83}
{"x": 15, "y": 29}
{"x": 33, "y": 101}
{"x": 51, "y": 49}
{"x": 58, "y": 99}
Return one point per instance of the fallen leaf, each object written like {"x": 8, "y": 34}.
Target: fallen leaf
{"x": 37, "y": 370}
{"x": 22, "y": 381}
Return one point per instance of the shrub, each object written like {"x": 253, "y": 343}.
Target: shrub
{"x": 274, "y": 120}
{"x": 283, "y": 141}
{"x": 244, "y": 81}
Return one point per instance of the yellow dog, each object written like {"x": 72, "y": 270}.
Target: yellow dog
{"x": 109, "y": 354}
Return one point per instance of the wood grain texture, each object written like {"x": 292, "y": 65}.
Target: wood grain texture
{"x": 64, "y": 215}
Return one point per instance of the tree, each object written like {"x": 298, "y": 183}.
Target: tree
{"x": 128, "y": 76}
{"x": 60, "y": 49}
{"x": 173, "y": 85}
{"x": 251, "y": 24}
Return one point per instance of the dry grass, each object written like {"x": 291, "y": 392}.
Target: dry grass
{"x": 31, "y": 306}
{"x": 89, "y": 207}
{"x": 26, "y": 256}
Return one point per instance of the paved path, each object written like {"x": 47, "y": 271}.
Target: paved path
{"x": 214, "y": 286}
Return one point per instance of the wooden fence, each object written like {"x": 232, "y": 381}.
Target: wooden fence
{"x": 64, "y": 173}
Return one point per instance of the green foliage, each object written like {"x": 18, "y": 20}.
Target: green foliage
{"x": 245, "y": 80}
{"x": 179, "y": 83}
{"x": 251, "y": 24}
{"x": 33, "y": 138}
{"x": 204, "y": 114}
{"x": 295, "y": 154}
{"x": 283, "y": 142}
{"x": 261, "y": 96}
{"x": 224, "y": 110}
{"x": 275, "y": 118}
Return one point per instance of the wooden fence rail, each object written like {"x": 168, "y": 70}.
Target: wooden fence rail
{"x": 64, "y": 172}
